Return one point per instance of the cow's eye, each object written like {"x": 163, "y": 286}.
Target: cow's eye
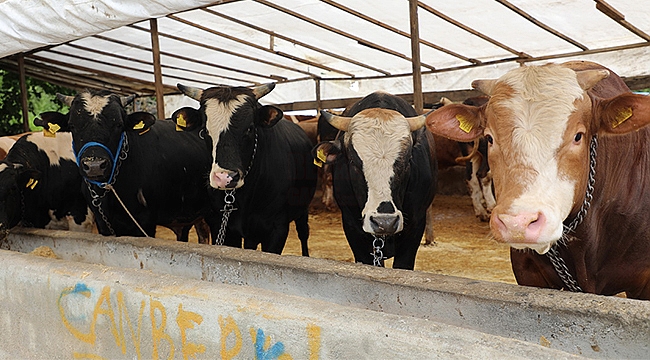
{"x": 489, "y": 139}
{"x": 578, "y": 137}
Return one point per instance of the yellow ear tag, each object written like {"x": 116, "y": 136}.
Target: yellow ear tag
{"x": 31, "y": 183}
{"x": 180, "y": 121}
{"x": 622, "y": 115}
{"x": 47, "y": 133}
{"x": 464, "y": 125}
{"x": 318, "y": 163}
{"x": 138, "y": 126}
{"x": 320, "y": 154}
{"x": 144, "y": 131}
{"x": 178, "y": 128}
{"x": 51, "y": 130}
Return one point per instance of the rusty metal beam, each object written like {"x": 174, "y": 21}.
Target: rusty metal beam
{"x": 158, "y": 82}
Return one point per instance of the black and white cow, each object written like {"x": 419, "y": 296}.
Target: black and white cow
{"x": 384, "y": 176}
{"x": 40, "y": 185}
{"x": 261, "y": 160}
{"x": 157, "y": 172}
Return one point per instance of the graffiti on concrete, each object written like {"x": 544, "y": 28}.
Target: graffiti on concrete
{"x": 86, "y": 313}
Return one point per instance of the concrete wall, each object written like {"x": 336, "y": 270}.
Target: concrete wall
{"x": 149, "y": 298}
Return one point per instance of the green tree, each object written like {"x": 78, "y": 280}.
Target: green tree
{"x": 41, "y": 97}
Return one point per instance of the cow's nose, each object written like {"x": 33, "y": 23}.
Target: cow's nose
{"x": 94, "y": 168}
{"x": 525, "y": 227}
{"x": 224, "y": 179}
{"x": 384, "y": 224}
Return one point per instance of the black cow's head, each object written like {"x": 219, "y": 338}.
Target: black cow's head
{"x": 98, "y": 123}
{"x": 231, "y": 116}
{"x": 377, "y": 146}
{"x": 13, "y": 179}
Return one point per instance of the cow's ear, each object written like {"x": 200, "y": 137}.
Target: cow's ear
{"x": 457, "y": 122}
{"x": 27, "y": 178}
{"x": 52, "y": 122}
{"x": 268, "y": 116}
{"x": 187, "y": 119}
{"x": 326, "y": 152}
{"x": 139, "y": 122}
{"x": 624, "y": 113}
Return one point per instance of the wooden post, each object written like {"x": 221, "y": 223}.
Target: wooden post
{"x": 318, "y": 102}
{"x": 418, "y": 101}
{"x": 23, "y": 91}
{"x": 157, "y": 71}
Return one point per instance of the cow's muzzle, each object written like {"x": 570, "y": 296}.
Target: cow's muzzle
{"x": 384, "y": 224}
{"x": 224, "y": 180}
{"x": 95, "y": 168}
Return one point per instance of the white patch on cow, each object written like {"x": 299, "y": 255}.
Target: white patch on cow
{"x": 56, "y": 224}
{"x": 3, "y": 167}
{"x": 378, "y": 140}
{"x": 88, "y": 225}
{"x": 542, "y": 102}
{"x": 56, "y": 148}
{"x": 94, "y": 104}
{"x": 218, "y": 116}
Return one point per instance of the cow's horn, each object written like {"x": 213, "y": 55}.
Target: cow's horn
{"x": 484, "y": 86}
{"x": 588, "y": 78}
{"x": 65, "y": 99}
{"x": 262, "y": 90}
{"x": 416, "y": 122}
{"x": 193, "y": 92}
{"x": 126, "y": 100}
{"x": 340, "y": 122}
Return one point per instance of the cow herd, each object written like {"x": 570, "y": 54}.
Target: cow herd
{"x": 569, "y": 155}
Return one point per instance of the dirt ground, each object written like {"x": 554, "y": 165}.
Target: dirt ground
{"x": 463, "y": 246}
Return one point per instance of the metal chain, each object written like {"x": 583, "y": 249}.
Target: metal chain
{"x": 556, "y": 260}
{"x": 377, "y": 253}
{"x": 97, "y": 198}
{"x": 229, "y": 200}
{"x": 590, "y": 187}
{"x": 562, "y": 270}
{"x": 228, "y": 207}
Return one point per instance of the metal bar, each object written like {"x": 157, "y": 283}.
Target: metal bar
{"x": 359, "y": 40}
{"x": 471, "y": 31}
{"x": 262, "y": 48}
{"x": 396, "y": 30}
{"x": 298, "y": 42}
{"x": 188, "y": 59}
{"x": 541, "y": 25}
{"x": 418, "y": 101}
{"x": 155, "y": 45}
{"x": 23, "y": 91}
{"x": 615, "y": 15}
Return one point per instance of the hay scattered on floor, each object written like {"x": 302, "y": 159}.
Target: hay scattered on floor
{"x": 44, "y": 251}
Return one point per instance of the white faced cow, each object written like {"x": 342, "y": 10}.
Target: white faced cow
{"x": 384, "y": 175}
{"x": 570, "y": 157}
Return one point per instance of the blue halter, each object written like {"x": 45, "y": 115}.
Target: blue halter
{"x": 114, "y": 158}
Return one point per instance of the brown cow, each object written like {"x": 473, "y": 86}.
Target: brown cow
{"x": 570, "y": 157}
{"x": 6, "y": 142}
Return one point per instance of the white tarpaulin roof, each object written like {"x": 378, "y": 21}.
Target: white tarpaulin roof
{"x": 332, "y": 49}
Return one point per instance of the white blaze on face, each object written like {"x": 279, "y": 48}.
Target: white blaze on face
{"x": 218, "y": 116}
{"x": 94, "y": 104}
{"x": 543, "y": 99}
{"x": 379, "y": 136}
{"x": 56, "y": 148}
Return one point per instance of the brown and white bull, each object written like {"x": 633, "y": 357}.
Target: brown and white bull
{"x": 570, "y": 157}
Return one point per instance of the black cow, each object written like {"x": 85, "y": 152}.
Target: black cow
{"x": 40, "y": 185}
{"x": 156, "y": 172}
{"x": 261, "y": 162}
{"x": 384, "y": 172}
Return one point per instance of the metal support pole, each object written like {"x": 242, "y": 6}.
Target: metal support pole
{"x": 157, "y": 71}
{"x": 23, "y": 91}
{"x": 418, "y": 101}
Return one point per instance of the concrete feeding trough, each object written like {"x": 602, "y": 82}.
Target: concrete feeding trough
{"x": 139, "y": 298}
